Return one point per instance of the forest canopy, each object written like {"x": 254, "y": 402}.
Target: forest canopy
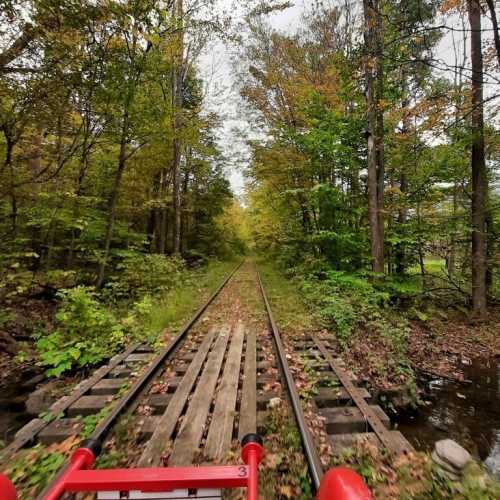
{"x": 381, "y": 147}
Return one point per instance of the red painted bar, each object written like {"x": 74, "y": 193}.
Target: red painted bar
{"x": 156, "y": 479}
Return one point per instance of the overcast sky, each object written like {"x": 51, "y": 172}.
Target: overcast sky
{"x": 222, "y": 92}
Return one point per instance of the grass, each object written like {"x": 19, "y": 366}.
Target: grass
{"x": 287, "y": 304}
{"x": 432, "y": 265}
{"x": 174, "y": 308}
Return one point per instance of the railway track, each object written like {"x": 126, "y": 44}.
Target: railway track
{"x": 349, "y": 416}
{"x": 207, "y": 388}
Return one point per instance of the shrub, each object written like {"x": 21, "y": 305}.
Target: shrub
{"x": 86, "y": 332}
{"x": 344, "y": 301}
{"x": 140, "y": 274}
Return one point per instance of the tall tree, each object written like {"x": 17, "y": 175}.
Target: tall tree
{"x": 478, "y": 166}
{"x": 177, "y": 93}
{"x": 375, "y": 132}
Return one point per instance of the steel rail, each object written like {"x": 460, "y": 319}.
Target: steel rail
{"x": 393, "y": 445}
{"x": 105, "y": 426}
{"x": 311, "y": 452}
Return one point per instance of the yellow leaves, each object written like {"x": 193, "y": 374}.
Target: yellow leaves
{"x": 272, "y": 460}
{"x": 286, "y": 491}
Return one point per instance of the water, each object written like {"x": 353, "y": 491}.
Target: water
{"x": 467, "y": 412}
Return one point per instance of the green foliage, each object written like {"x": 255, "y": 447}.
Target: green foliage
{"x": 78, "y": 339}
{"x": 139, "y": 274}
{"x": 33, "y": 469}
{"x": 151, "y": 315}
{"x": 90, "y": 421}
{"x": 344, "y": 301}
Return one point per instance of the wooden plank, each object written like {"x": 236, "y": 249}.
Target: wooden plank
{"x": 350, "y": 419}
{"x": 108, "y": 386}
{"x": 88, "y": 405}
{"x": 220, "y": 433}
{"x": 139, "y": 357}
{"x": 59, "y": 430}
{"x": 151, "y": 455}
{"x": 329, "y": 396}
{"x": 339, "y": 442}
{"x": 393, "y": 445}
{"x": 147, "y": 426}
{"x": 248, "y": 407}
{"x": 27, "y": 433}
{"x": 120, "y": 372}
{"x": 188, "y": 440}
{"x": 159, "y": 402}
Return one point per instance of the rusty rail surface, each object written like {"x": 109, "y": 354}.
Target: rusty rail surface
{"x": 310, "y": 450}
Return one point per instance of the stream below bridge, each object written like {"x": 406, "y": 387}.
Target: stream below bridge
{"x": 468, "y": 412}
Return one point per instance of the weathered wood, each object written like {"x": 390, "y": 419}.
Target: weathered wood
{"x": 108, "y": 386}
{"x": 24, "y": 437}
{"x": 139, "y": 357}
{"x": 151, "y": 455}
{"x": 148, "y": 425}
{"x": 221, "y": 427}
{"x": 189, "y": 356}
{"x": 248, "y": 407}
{"x": 188, "y": 440}
{"x": 59, "y": 430}
{"x": 121, "y": 371}
{"x": 88, "y": 405}
{"x": 350, "y": 419}
{"x": 377, "y": 423}
{"x": 264, "y": 366}
{"x": 181, "y": 369}
{"x": 329, "y": 396}
{"x": 145, "y": 348}
{"x": 159, "y": 402}
{"x": 173, "y": 384}
{"x": 339, "y": 442}
{"x": 262, "y": 380}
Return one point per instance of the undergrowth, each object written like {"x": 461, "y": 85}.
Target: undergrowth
{"x": 362, "y": 312}
{"x": 284, "y": 474}
{"x": 92, "y": 325}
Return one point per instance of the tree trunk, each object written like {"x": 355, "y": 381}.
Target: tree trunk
{"x": 162, "y": 236}
{"x": 452, "y": 257}
{"x": 113, "y": 197}
{"x": 478, "y": 166}
{"x": 375, "y": 147}
{"x": 75, "y": 232}
{"x": 421, "y": 254}
{"x": 494, "y": 22}
{"x": 9, "y": 167}
{"x": 177, "y": 84}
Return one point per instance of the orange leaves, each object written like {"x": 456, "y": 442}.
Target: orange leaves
{"x": 449, "y": 6}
